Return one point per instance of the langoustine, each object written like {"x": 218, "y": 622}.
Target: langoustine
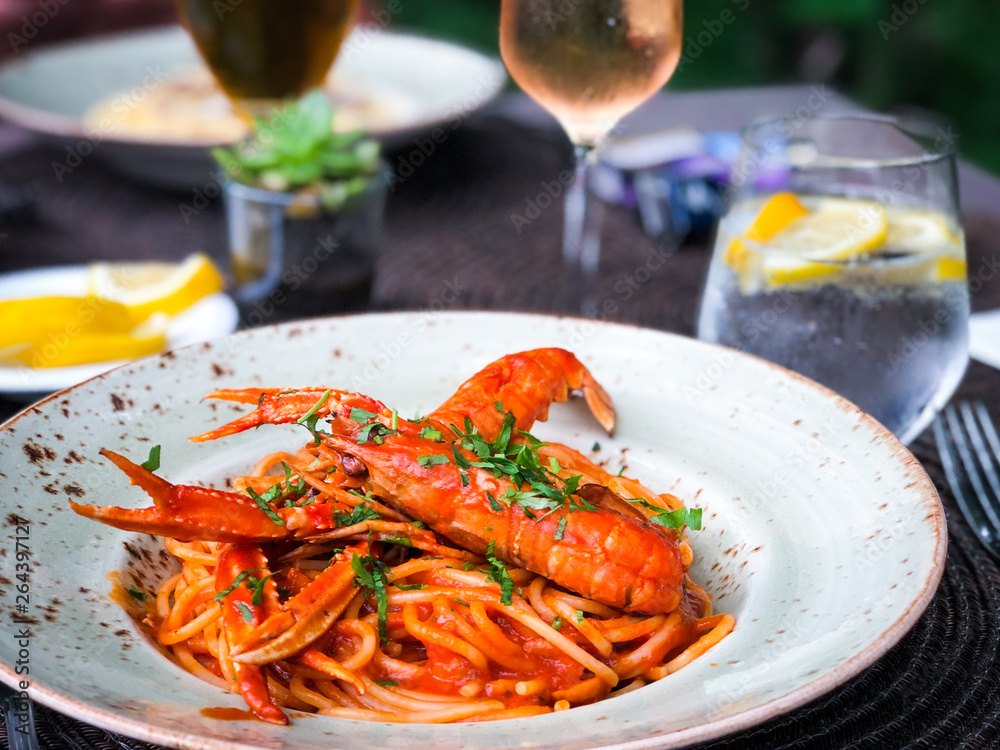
{"x": 459, "y": 471}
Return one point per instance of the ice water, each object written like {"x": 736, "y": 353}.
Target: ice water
{"x": 887, "y": 329}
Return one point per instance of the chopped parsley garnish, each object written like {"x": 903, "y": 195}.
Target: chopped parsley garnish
{"x": 136, "y": 594}
{"x": 460, "y": 601}
{"x": 245, "y": 611}
{"x": 370, "y": 575}
{"x": 557, "y": 622}
{"x": 256, "y": 587}
{"x": 262, "y": 502}
{"x": 362, "y": 416}
{"x": 410, "y": 586}
{"x": 493, "y": 502}
{"x": 672, "y": 519}
{"x": 310, "y": 418}
{"x": 434, "y": 460}
{"x": 579, "y": 616}
{"x": 498, "y": 573}
{"x": 386, "y": 683}
{"x": 400, "y": 540}
{"x": 360, "y": 513}
{"x": 460, "y": 461}
{"x": 597, "y": 447}
{"x": 465, "y": 478}
{"x": 498, "y": 406}
{"x": 468, "y": 566}
{"x": 519, "y": 462}
{"x": 153, "y": 462}
{"x": 621, "y": 471}
{"x": 298, "y": 489}
{"x": 375, "y": 431}
{"x": 431, "y": 434}
{"x": 560, "y": 529}
{"x": 236, "y": 582}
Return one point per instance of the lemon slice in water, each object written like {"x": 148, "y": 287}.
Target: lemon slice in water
{"x": 789, "y": 244}
{"x": 923, "y": 232}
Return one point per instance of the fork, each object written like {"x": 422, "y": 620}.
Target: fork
{"x": 970, "y": 454}
{"x": 18, "y": 710}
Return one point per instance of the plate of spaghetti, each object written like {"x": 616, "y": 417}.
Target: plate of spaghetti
{"x": 374, "y": 531}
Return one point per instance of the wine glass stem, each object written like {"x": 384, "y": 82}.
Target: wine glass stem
{"x": 582, "y": 230}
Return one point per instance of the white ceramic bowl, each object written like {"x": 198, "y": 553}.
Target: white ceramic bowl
{"x": 427, "y": 82}
{"x": 823, "y": 535}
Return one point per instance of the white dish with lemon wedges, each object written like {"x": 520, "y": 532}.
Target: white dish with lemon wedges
{"x": 60, "y": 326}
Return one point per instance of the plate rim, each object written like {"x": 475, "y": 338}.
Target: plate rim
{"x": 715, "y": 729}
{"x": 54, "y": 125}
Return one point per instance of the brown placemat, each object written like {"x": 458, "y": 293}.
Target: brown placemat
{"x": 452, "y": 222}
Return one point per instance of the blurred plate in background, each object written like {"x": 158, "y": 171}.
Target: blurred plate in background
{"x": 145, "y": 101}
{"x": 210, "y": 318}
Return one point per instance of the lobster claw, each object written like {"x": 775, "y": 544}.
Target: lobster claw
{"x": 526, "y": 383}
{"x": 304, "y": 617}
{"x": 282, "y": 405}
{"x": 237, "y": 606}
{"x": 184, "y": 512}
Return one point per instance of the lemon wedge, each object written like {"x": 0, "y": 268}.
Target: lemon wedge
{"x": 35, "y": 319}
{"x": 63, "y": 331}
{"x": 780, "y": 211}
{"x": 781, "y": 248}
{"x": 148, "y": 288}
{"x": 918, "y": 231}
{"x": 85, "y": 348}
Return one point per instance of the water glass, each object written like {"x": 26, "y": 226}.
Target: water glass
{"x": 842, "y": 257}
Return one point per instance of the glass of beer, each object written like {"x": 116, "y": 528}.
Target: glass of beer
{"x": 263, "y": 52}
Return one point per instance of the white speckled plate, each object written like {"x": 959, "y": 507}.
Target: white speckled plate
{"x": 823, "y": 535}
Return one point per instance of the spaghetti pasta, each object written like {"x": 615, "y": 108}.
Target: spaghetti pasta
{"x": 452, "y": 650}
{"x": 450, "y": 568}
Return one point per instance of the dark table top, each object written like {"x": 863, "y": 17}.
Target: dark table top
{"x": 450, "y": 225}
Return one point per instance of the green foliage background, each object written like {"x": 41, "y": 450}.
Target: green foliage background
{"x": 943, "y": 55}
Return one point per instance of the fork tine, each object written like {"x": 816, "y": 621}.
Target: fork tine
{"x": 987, "y": 459}
{"x": 950, "y": 439}
{"x": 981, "y": 496}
